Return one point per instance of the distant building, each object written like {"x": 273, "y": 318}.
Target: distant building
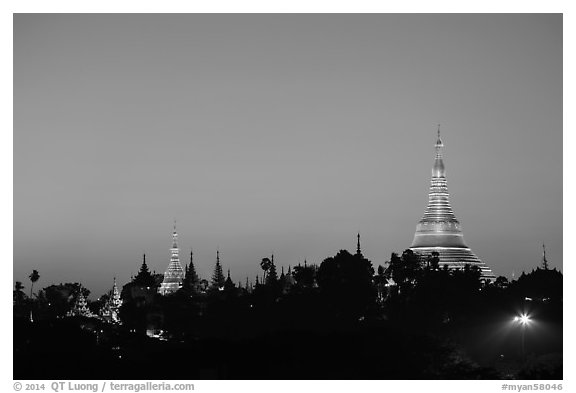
{"x": 218, "y": 279}
{"x": 80, "y": 307}
{"x": 142, "y": 288}
{"x": 110, "y": 310}
{"x": 174, "y": 274}
{"x": 439, "y": 230}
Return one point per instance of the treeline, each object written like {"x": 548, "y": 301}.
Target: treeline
{"x": 343, "y": 318}
{"x": 408, "y": 285}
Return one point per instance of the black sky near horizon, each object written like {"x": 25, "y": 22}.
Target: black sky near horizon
{"x": 282, "y": 134}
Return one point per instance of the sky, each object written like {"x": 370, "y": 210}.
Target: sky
{"x": 283, "y": 134}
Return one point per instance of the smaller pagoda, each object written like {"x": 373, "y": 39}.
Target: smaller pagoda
{"x": 111, "y": 309}
{"x": 80, "y": 308}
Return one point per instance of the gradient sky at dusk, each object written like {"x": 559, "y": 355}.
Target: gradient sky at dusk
{"x": 282, "y": 134}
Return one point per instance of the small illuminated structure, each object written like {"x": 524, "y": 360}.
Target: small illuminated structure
{"x": 174, "y": 274}
{"x": 155, "y": 333}
{"x": 439, "y": 230}
{"x": 80, "y": 307}
{"x": 110, "y": 310}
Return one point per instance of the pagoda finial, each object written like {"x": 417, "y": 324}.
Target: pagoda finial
{"x": 439, "y": 143}
{"x": 174, "y": 236}
{"x": 217, "y": 255}
{"x": 358, "y": 252}
{"x": 228, "y": 272}
{"x": 438, "y": 169}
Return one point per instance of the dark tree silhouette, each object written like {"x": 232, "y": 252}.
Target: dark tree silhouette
{"x": 18, "y": 295}
{"x": 539, "y": 284}
{"x": 346, "y": 280}
{"x": 433, "y": 261}
{"x": 404, "y": 270}
{"x": 395, "y": 270}
{"x": 266, "y": 264}
{"x": 34, "y": 276}
{"x": 501, "y": 282}
{"x": 304, "y": 276}
{"x": 62, "y": 296}
{"x": 380, "y": 283}
{"x": 412, "y": 265}
{"x": 203, "y": 285}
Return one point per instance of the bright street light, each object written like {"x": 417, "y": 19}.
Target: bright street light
{"x": 525, "y": 319}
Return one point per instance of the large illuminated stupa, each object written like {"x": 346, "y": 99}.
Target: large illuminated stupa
{"x": 439, "y": 230}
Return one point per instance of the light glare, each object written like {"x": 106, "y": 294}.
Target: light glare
{"x": 524, "y": 319}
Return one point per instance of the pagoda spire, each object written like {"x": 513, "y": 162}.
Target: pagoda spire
{"x": 439, "y": 209}
{"x": 218, "y": 278}
{"x": 174, "y": 274}
{"x": 544, "y": 260}
{"x": 114, "y": 303}
{"x": 358, "y": 251}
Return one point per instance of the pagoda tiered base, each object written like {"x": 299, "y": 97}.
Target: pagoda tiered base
{"x": 456, "y": 258}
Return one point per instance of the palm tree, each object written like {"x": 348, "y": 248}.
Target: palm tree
{"x": 33, "y": 277}
{"x": 266, "y": 264}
